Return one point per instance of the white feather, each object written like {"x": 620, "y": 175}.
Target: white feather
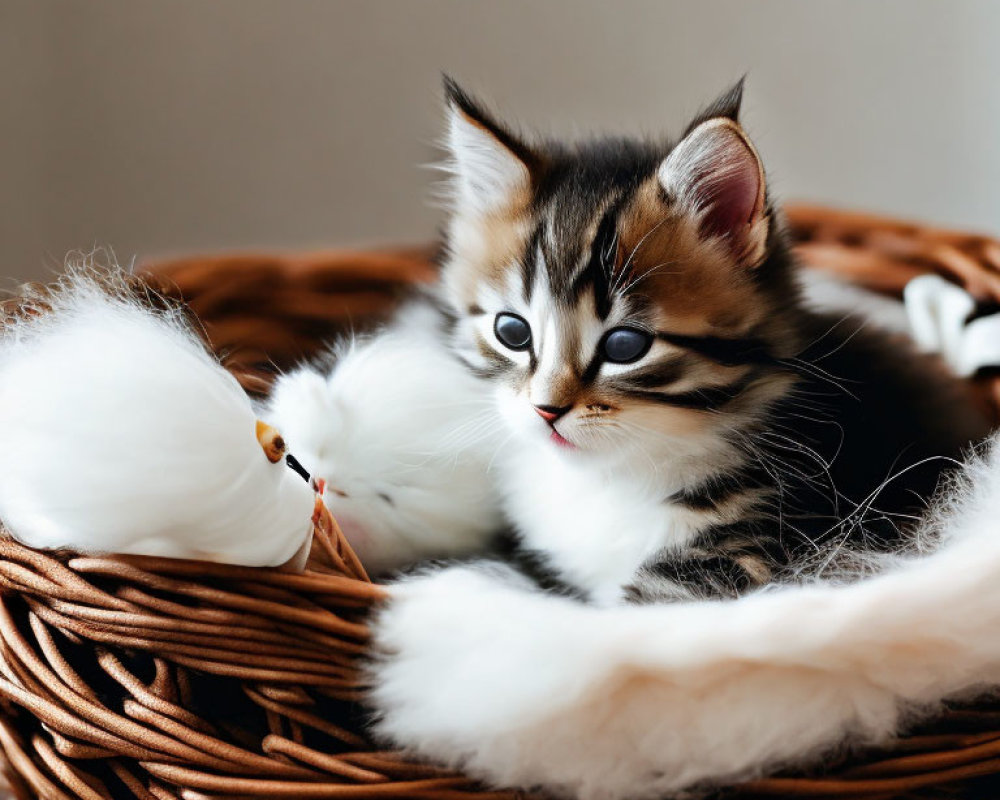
{"x": 120, "y": 433}
{"x": 404, "y": 437}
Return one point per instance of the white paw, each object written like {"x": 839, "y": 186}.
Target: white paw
{"x": 460, "y": 651}
{"x": 477, "y": 670}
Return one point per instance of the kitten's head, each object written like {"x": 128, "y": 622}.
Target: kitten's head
{"x": 621, "y": 293}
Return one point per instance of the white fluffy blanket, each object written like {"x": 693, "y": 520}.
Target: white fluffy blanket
{"x": 523, "y": 689}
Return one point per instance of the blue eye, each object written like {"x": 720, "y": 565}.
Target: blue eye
{"x": 512, "y": 331}
{"x": 625, "y": 345}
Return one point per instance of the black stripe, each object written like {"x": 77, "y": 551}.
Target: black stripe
{"x": 595, "y": 274}
{"x": 711, "y": 493}
{"x": 708, "y": 398}
{"x": 529, "y": 264}
{"x": 660, "y": 373}
{"x": 712, "y": 566}
{"x": 711, "y": 576}
{"x": 591, "y": 371}
{"x": 533, "y": 563}
{"x": 728, "y": 352}
{"x": 747, "y": 538}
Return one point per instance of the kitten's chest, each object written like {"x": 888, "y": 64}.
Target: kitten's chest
{"x": 594, "y": 529}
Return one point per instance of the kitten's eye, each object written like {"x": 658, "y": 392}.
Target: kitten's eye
{"x": 625, "y": 345}
{"x": 512, "y": 331}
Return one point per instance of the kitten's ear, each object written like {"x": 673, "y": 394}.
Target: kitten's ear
{"x": 715, "y": 172}
{"x": 727, "y": 105}
{"x": 492, "y": 168}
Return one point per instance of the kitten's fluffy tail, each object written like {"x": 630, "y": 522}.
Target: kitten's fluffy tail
{"x": 526, "y": 689}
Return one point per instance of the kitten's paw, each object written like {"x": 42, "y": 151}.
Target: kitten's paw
{"x": 457, "y": 655}
{"x": 479, "y": 671}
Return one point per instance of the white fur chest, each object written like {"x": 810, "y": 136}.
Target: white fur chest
{"x": 596, "y": 527}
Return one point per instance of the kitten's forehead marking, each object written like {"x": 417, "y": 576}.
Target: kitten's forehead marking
{"x": 549, "y": 226}
{"x": 596, "y": 269}
{"x": 540, "y": 279}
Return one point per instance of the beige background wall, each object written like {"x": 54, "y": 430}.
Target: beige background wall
{"x": 163, "y": 127}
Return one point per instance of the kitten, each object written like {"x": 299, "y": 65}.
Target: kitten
{"x": 678, "y": 423}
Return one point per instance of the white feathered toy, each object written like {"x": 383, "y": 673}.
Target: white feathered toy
{"x": 121, "y": 433}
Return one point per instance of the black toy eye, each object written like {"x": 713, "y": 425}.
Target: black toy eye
{"x": 512, "y": 331}
{"x": 625, "y": 345}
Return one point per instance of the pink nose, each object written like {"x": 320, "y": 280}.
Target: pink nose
{"x": 551, "y": 413}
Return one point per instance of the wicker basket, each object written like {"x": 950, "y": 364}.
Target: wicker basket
{"x": 156, "y": 678}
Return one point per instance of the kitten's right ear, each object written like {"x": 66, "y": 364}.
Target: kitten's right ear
{"x": 492, "y": 168}
{"x": 715, "y": 173}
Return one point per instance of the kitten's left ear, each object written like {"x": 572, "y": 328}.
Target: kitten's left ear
{"x": 492, "y": 168}
{"x": 716, "y": 174}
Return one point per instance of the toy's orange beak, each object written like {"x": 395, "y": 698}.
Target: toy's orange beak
{"x": 271, "y": 441}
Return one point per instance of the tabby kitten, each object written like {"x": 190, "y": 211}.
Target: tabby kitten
{"x": 618, "y": 363}
{"x": 680, "y": 424}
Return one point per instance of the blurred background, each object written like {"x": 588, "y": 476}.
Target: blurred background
{"x": 166, "y": 128}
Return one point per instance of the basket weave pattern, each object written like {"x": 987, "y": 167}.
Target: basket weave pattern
{"x": 158, "y": 678}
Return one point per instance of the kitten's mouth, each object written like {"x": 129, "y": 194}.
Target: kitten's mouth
{"x": 561, "y": 441}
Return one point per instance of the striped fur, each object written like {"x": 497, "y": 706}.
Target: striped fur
{"x": 758, "y": 437}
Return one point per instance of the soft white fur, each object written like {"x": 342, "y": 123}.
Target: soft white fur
{"x": 397, "y": 417}
{"x": 597, "y": 519}
{"x": 120, "y": 433}
{"x": 526, "y": 689}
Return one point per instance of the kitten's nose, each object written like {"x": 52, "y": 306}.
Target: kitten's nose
{"x": 551, "y": 413}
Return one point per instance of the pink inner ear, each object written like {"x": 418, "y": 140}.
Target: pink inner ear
{"x": 727, "y": 184}
{"x": 732, "y": 202}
